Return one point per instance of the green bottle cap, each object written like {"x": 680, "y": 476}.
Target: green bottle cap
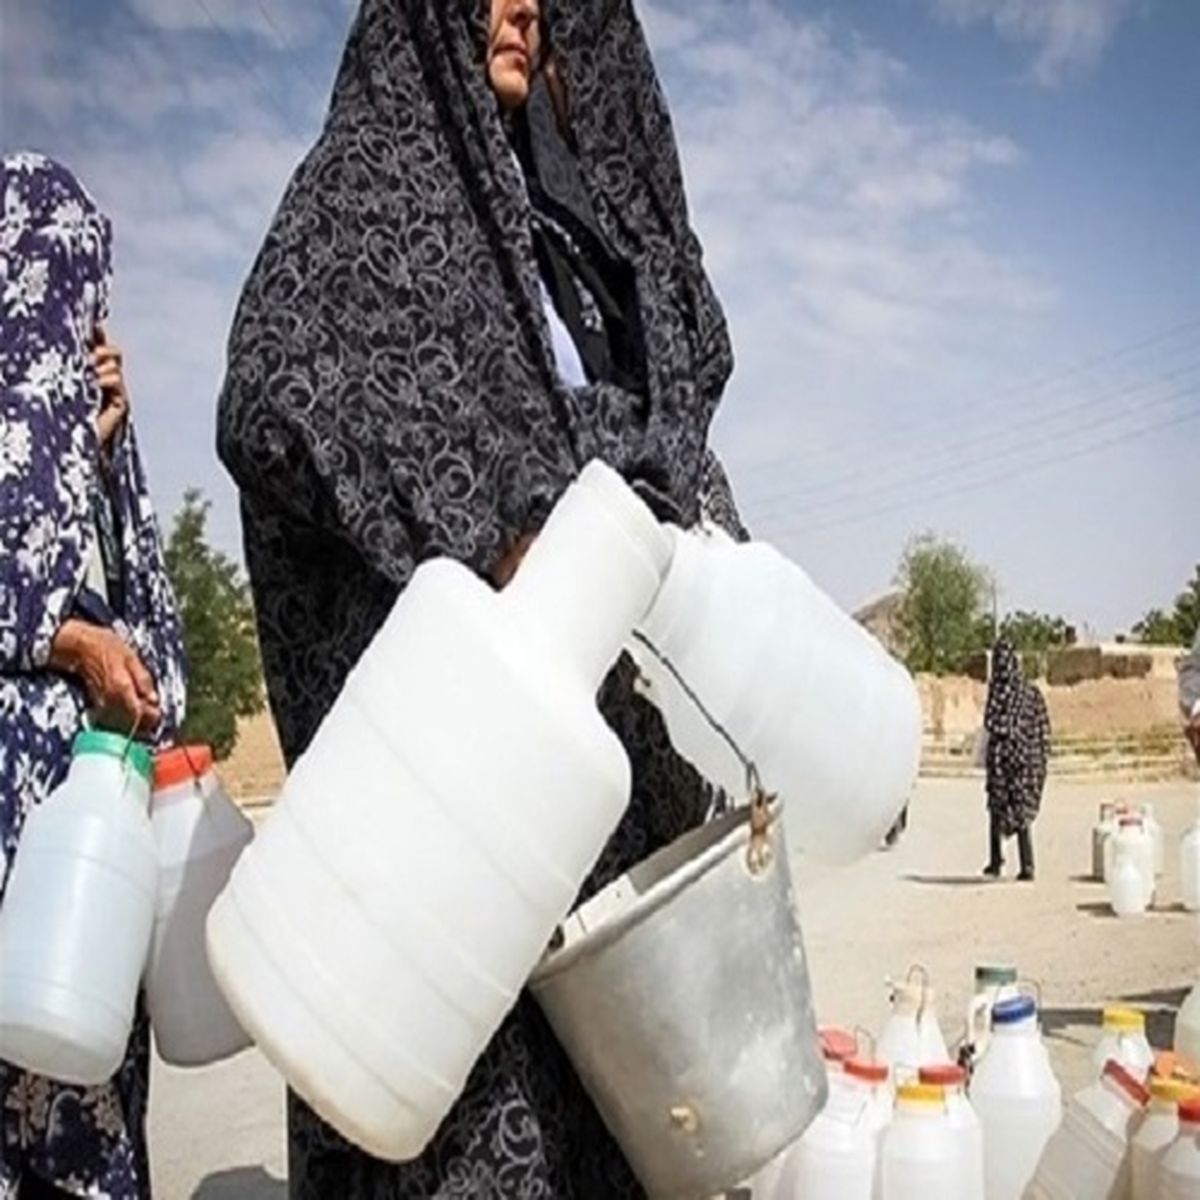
{"x": 994, "y": 976}
{"x": 114, "y": 745}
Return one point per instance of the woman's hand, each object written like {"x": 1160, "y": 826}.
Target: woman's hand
{"x": 114, "y": 403}
{"x": 120, "y": 691}
{"x": 506, "y": 568}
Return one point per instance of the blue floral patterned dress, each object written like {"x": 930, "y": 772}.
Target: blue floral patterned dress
{"x": 58, "y": 504}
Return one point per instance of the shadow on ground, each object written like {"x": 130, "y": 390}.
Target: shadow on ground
{"x": 241, "y": 1183}
{"x": 1160, "y": 1005}
{"x": 952, "y": 880}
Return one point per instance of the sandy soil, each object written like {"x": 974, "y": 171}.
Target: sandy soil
{"x": 217, "y": 1134}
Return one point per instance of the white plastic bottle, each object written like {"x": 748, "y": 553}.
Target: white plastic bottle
{"x": 1017, "y": 1097}
{"x": 200, "y": 834}
{"x": 1132, "y": 840}
{"x": 1189, "y": 868}
{"x": 1128, "y": 893}
{"x": 77, "y": 916}
{"x": 911, "y": 1036}
{"x": 1123, "y": 1038}
{"x": 800, "y": 686}
{"x": 392, "y": 906}
{"x": 920, "y": 1153}
{"x": 1155, "y": 1133}
{"x": 964, "y": 1122}
{"x": 1089, "y": 1153}
{"x": 993, "y": 983}
{"x": 1104, "y": 828}
{"x": 1157, "y": 840}
{"x": 1179, "y": 1171}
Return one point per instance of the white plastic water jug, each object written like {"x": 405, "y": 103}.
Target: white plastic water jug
{"x": 838, "y": 1156}
{"x": 832, "y": 721}
{"x": 77, "y": 916}
{"x": 200, "y": 834}
{"x": 1089, "y": 1152}
{"x": 1017, "y": 1097}
{"x": 964, "y": 1122}
{"x": 1132, "y": 841}
{"x": 1189, "y": 868}
{"x": 1187, "y": 1025}
{"x": 1157, "y": 839}
{"x": 1155, "y": 1133}
{"x": 1123, "y": 1038}
{"x": 920, "y": 1148}
{"x": 911, "y": 1036}
{"x": 1104, "y": 828}
{"x": 1179, "y": 1170}
{"x": 382, "y": 923}
{"x": 993, "y": 983}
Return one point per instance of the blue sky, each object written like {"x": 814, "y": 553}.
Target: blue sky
{"x": 956, "y": 239}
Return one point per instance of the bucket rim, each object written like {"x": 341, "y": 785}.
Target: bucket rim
{"x": 717, "y": 839}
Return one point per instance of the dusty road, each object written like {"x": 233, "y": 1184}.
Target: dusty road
{"x": 218, "y": 1134}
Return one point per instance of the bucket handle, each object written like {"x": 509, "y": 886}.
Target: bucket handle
{"x": 763, "y": 811}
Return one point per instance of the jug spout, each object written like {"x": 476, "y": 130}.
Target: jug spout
{"x": 600, "y": 540}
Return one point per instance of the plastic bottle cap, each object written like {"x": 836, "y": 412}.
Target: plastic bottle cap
{"x": 114, "y": 745}
{"x": 181, "y": 764}
{"x": 1189, "y": 1112}
{"x": 1129, "y": 1019}
{"x": 1173, "y": 1091}
{"x": 837, "y": 1045}
{"x": 1126, "y": 1081}
{"x": 1010, "y": 1012}
{"x": 868, "y": 1072}
{"x": 921, "y": 1093}
{"x": 994, "y": 976}
{"x": 1126, "y": 822}
{"x": 943, "y": 1075}
{"x": 1171, "y": 1065}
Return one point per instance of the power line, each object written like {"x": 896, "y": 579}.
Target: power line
{"x": 828, "y": 493}
{"x": 1032, "y": 391}
{"x": 997, "y": 477}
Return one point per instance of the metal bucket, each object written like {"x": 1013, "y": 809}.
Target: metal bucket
{"x": 681, "y": 994}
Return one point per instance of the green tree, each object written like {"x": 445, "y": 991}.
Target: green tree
{"x": 224, "y": 669}
{"x": 1177, "y": 627}
{"x": 1035, "y": 632}
{"x": 943, "y": 615}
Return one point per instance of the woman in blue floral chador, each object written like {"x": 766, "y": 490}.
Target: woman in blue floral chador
{"x": 87, "y": 619}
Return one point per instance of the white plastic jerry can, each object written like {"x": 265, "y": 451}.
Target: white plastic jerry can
{"x": 1189, "y": 868}
{"x": 390, "y": 909}
{"x": 964, "y": 1122}
{"x": 200, "y": 835}
{"x": 77, "y": 916}
{"x": 911, "y": 1037}
{"x": 1123, "y": 1039}
{"x": 1179, "y": 1171}
{"x": 1156, "y": 1132}
{"x": 921, "y": 1158}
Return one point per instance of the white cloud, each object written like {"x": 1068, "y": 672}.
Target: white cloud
{"x": 1069, "y": 36}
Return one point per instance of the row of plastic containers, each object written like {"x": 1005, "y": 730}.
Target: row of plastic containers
{"x": 111, "y": 887}
{"x": 907, "y": 1124}
{"x": 1129, "y": 852}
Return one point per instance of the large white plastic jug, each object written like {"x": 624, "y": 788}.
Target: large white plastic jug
{"x": 1179, "y": 1171}
{"x": 77, "y": 916}
{"x": 1123, "y": 1039}
{"x": 911, "y": 1037}
{"x": 1187, "y": 1025}
{"x": 1189, "y": 868}
{"x": 1130, "y": 844}
{"x": 1155, "y": 1133}
{"x": 382, "y": 923}
{"x": 832, "y": 721}
{"x": 1017, "y": 1097}
{"x": 920, "y": 1148}
{"x": 1105, "y": 827}
{"x": 964, "y": 1122}
{"x": 200, "y": 834}
{"x": 838, "y": 1156}
{"x": 1089, "y": 1152}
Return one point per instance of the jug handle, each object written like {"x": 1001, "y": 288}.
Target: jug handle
{"x": 923, "y": 974}
{"x": 977, "y": 1032}
{"x": 763, "y": 805}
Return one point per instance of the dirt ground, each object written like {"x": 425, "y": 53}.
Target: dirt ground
{"x": 217, "y": 1134}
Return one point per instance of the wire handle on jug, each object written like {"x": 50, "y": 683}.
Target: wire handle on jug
{"x": 762, "y": 812}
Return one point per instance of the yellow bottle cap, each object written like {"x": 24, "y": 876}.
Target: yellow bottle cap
{"x": 1128, "y": 1019}
{"x": 921, "y": 1093}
